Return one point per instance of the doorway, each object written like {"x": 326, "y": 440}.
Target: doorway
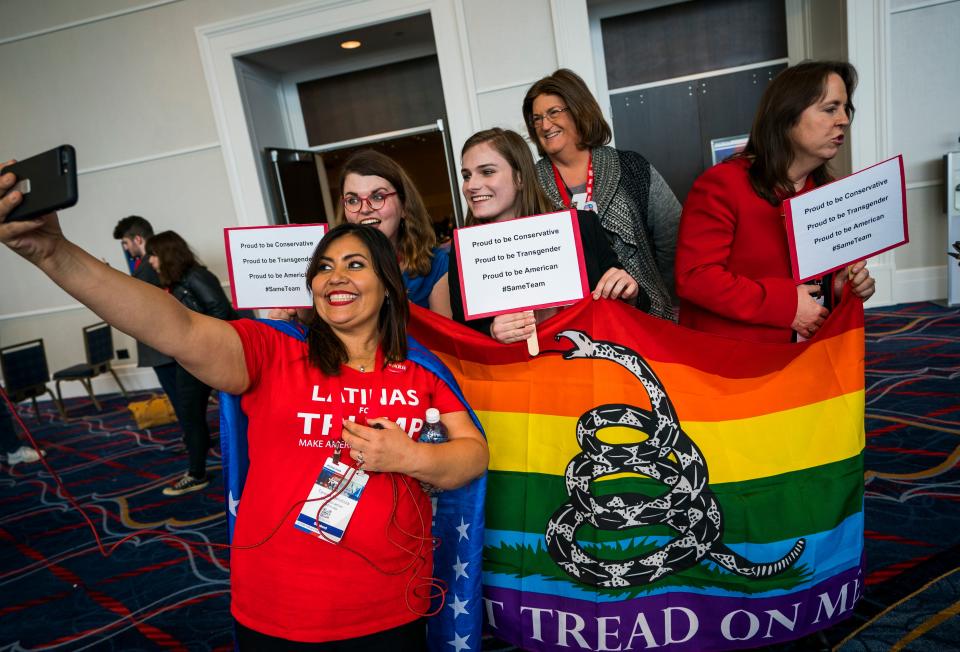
{"x": 383, "y": 92}
{"x": 255, "y": 99}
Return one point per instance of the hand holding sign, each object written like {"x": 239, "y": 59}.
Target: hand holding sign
{"x": 848, "y": 220}
{"x": 268, "y": 264}
{"x": 523, "y": 264}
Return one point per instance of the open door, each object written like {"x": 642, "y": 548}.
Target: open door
{"x": 298, "y": 182}
{"x": 306, "y": 188}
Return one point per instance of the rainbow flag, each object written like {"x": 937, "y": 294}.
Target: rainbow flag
{"x": 652, "y": 486}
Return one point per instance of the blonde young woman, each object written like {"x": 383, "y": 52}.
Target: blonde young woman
{"x": 499, "y": 184}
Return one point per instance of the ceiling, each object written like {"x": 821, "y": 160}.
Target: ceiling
{"x": 414, "y": 33}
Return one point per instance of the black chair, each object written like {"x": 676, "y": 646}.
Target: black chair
{"x": 26, "y": 374}
{"x": 98, "y": 342}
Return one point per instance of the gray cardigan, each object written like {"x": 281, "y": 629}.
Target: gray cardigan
{"x": 639, "y": 214}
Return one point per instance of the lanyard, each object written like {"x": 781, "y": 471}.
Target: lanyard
{"x": 562, "y": 187}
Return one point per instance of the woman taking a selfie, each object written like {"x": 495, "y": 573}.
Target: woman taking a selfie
{"x": 352, "y": 374}
{"x": 733, "y": 261}
{"x": 199, "y": 290}
{"x": 499, "y": 184}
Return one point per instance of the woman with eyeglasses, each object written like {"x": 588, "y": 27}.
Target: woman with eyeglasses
{"x": 638, "y": 211}
{"x": 377, "y": 192}
{"x": 499, "y": 184}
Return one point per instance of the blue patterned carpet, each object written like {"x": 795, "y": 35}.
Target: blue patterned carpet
{"x": 58, "y": 592}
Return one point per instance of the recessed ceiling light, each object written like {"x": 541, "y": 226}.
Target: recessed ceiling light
{"x": 350, "y": 45}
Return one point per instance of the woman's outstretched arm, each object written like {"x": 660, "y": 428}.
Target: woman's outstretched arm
{"x": 208, "y": 348}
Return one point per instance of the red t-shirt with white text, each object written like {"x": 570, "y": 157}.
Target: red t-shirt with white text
{"x": 296, "y": 586}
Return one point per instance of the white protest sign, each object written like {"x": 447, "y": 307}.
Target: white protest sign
{"x": 268, "y": 264}
{"x": 522, "y": 264}
{"x": 847, "y": 220}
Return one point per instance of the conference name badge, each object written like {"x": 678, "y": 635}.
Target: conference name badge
{"x": 326, "y": 517}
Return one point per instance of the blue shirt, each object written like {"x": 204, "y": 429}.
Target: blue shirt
{"x": 420, "y": 287}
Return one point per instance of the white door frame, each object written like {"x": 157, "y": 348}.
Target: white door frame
{"x": 221, "y": 43}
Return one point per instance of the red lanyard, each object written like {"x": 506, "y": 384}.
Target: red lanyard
{"x": 562, "y": 187}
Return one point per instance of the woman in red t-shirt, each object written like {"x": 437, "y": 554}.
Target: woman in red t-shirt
{"x": 733, "y": 272}
{"x": 364, "y": 592}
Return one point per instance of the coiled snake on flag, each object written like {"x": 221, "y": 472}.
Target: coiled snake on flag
{"x": 668, "y": 455}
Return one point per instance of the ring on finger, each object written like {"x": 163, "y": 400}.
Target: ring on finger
{"x": 360, "y": 460}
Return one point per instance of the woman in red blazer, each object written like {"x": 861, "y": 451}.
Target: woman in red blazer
{"x": 733, "y": 272}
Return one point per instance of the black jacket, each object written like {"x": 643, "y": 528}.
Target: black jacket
{"x": 148, "y": 356}
{"x": 598, "y": 257}
{"x": 200, "y": 291}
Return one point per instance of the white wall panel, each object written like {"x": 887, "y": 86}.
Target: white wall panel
{"x": 510, "y": 41}
{"x": 187, "y": 194}
{"x": 928, "y": 230}
{"x": 21, "y": 17}
{"x": 502, "y": 109}
{"x": 925, "y": 87}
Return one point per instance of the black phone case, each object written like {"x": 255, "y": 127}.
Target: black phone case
{"x": 52, "y": 178}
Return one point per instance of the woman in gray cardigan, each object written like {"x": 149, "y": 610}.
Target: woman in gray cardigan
{"x": 638, "y": 211}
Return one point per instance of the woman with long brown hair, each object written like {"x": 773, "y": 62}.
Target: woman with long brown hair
{"x": 198, "y": 289}
{"x": 499, "y": 184}
{"x": 349, "y": 399}
{"x": 733, "y": 271}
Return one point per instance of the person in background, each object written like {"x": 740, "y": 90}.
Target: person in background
{"x": 133, "y": 232}
{"x": 376, "y": 191}
{"x": 199, "y": 290}
{"x": 499, "y": 184}
{"x": 356, "y": 340}
{"x": 638, "y": 211}
{"x": 733, "y": 262}
{"x": 11, "y": 450}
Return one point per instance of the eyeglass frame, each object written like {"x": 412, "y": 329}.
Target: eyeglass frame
{"x": 385, "y": 195}
{"x": 537, "y": 119}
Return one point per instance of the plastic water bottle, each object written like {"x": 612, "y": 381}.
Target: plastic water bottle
{"x": 433, "y": 431}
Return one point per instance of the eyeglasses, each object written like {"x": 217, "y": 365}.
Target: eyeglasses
{"x": 550, "y": 114}
{"x": 376, "y": 200}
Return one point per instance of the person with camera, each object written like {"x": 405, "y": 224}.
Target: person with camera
{"x": 348, "y": 397}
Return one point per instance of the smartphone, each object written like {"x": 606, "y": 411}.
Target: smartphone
{"x": 48, "y": 182}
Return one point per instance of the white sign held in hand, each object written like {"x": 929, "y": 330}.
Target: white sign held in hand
{"x": 847, "y": 220}
{"x": 268, "y": 264}
{"x": 522, "y": 264}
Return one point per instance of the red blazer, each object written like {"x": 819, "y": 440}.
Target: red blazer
{"x": 733, "y": 264}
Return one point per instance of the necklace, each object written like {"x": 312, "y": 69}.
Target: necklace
{"x": 362, "y": 367}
